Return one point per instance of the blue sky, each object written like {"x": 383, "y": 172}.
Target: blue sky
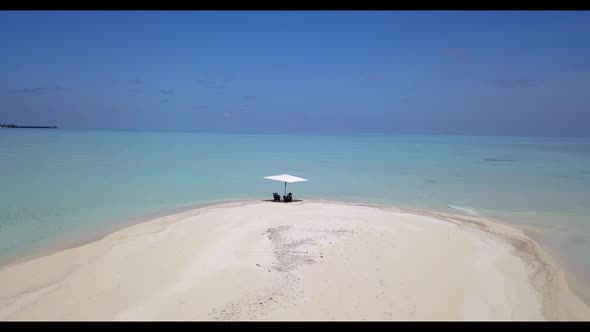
{"x": 430, "y": 72}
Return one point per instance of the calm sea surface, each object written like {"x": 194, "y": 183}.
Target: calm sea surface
{"x": 56, "y": 182}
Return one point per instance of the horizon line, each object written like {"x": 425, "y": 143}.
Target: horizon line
{"x": 333, "y": 133}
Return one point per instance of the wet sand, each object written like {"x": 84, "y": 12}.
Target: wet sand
{"x": 309, "y": 260}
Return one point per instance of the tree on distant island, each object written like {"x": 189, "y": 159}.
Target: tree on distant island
{"x": 12, "y": 125}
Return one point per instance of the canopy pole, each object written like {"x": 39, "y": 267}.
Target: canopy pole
{"x": 285, "y": 189}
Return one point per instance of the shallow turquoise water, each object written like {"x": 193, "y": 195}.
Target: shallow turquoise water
{"x": 60, "y": 181}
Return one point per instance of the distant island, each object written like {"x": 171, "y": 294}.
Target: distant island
{"x": 6, "y": 125}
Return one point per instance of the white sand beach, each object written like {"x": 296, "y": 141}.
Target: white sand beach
{"x": 309, "y": 260}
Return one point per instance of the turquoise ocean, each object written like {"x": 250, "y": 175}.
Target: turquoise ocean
{"x": 64, "y": 184}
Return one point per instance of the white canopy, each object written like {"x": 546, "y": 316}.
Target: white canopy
{"x": 285, "y": 178}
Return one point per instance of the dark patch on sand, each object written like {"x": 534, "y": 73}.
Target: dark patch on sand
{"x": 543, "y": 276}
{"x": 292, "y": 248}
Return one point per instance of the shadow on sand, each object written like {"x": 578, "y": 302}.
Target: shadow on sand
{"x": 281, "y": 201}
